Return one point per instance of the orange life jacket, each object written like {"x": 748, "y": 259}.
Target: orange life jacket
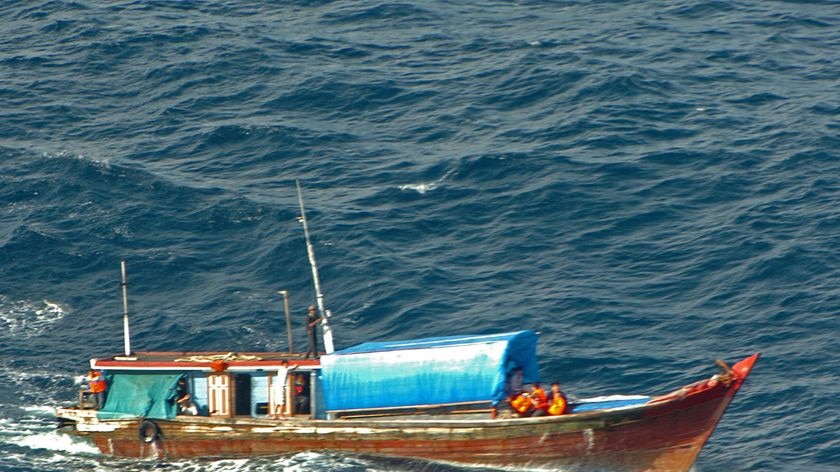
{"x": 540, "y": 400}
{"x": 521, "y": 403}
{"x": 558, "y": 405}
{"x": 97, "y": 383}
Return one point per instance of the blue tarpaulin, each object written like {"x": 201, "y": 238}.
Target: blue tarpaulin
{"x": 430, "y": 371}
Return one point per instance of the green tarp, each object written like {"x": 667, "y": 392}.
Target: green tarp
{"x": 140, "y": 394}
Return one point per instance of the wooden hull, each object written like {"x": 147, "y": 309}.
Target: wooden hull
{"x": 665, "y": 434}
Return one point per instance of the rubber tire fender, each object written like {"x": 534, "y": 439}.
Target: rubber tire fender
{"x": 149, "y": 431}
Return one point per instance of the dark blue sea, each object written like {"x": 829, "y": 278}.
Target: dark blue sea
{"x": 650, "y": 185}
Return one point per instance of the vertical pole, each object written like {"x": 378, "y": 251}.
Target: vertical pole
{"x": 313, "y": 395}
{"x": 319, "y": 297}
{"x": 126, "y": 333}
{"x": 285, "y": 294}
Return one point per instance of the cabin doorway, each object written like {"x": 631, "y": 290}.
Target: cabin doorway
{"x": 242, "y": 397}
{"x": 301, "y": 391}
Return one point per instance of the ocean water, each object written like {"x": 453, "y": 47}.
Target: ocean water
{"x": 651, "y": 185}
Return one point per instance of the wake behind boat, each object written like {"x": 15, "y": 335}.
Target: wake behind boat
{"x": 444, "y": 399}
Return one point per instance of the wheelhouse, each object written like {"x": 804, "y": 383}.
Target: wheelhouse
{"x": 230, "y": 385}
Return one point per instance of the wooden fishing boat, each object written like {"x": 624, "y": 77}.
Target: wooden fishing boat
{"x": 442, "y": 399}
{"x": 240, "y": 413}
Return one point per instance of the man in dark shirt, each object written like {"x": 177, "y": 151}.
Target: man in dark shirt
{"x": 312, "y": 320}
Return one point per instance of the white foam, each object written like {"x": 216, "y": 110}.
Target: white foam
{"x": 55, "y": 441}
{"x": 40, "y": 410}
{"x": 419, "y": 188}
{"x": 24, "y": 319}
{"x": 103, "y": 163}
{"x": 18, "y": 377}
{"x": 424, "y": 187}
{"x": 222, "y": 465}
{"x": 301, "y": 459}
{"x": 227, "y": 465}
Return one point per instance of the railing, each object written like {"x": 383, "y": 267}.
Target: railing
{"x": 86, "y": 401}
{"x": 414, "y": 410}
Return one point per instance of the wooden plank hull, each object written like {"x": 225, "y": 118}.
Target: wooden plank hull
{"x": 665, "y": 434}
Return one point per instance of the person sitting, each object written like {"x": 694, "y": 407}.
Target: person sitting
{"x": 184, "y": 400}
{"x": 558, "y": 403}
{"x": 521, "y": 405}
{"x": 539, "y": 401}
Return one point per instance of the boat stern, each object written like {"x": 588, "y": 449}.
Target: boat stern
{"x": 74, "y": 414}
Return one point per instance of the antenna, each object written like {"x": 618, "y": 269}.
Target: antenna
{"x": 126, "y": 333}
{"x": 319, "y": 297}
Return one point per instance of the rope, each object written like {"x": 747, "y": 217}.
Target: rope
{"x": 231, "y": 356}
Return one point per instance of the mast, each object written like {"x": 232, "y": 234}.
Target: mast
{"x": 285, "y": 294}
{"x": 319, "y": 297}
{"x": 126, "y": 333}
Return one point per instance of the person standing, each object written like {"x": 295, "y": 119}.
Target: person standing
{"x": 312, "y": 320}
{"x": 98, "y": 386}
{"x": 281, "y": 393}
